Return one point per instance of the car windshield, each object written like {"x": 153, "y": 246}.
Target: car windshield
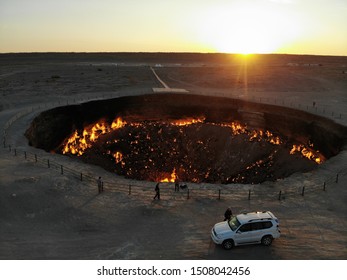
{"x": 234, "y": 223}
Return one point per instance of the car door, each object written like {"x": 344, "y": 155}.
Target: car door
{"x": 243, "y": 235}
{"x": 257, "y": 231}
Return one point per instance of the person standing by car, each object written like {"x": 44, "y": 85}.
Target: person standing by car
{"x": 227, "y": 215}
{"x": 157, "y": 191}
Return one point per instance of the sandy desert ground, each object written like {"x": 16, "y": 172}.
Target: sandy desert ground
{"x": 48, "y": 215}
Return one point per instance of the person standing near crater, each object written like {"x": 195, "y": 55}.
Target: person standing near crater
{"x": 157, "y": 191}
{"x": 177, "y": 185}
{"x": 100, "y": 185}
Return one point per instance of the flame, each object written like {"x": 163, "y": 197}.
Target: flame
{"x": 117, "y": 123}
{"x": 172, "y": 178}
{"x": 254, "y": 135}
{"x": 77, "y": 144}
{"x": 306, "y": 153}
{"x": 118, "y": 156}
{"x": 237, "y": 128}
{"x": 275, "y": 140}
{"x": 185, "y": 122}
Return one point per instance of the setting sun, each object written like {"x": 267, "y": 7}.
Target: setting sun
{"x": 248, "y": 28}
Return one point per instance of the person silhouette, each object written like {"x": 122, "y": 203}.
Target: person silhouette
{"x": 227, "y": 215}
{"x": 157, "y": 191}
{"x": 177, "y": 186}
{"x": 100, "y": 185}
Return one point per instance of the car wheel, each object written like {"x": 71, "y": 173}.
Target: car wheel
{"x": 228, "y": 244}
{"x": 266, "y": 240}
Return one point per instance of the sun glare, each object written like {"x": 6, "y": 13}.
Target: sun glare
{"x": 247, "y": 29}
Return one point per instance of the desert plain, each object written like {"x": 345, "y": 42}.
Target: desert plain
{"x": 49, "y": 214}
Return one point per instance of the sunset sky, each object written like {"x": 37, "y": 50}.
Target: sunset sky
{"x": 235, "y": 26}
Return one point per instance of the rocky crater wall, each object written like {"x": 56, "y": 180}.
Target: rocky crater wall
{"x": 49, "y": 129}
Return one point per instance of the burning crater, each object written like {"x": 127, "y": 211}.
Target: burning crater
{"x": 190, "y": 138}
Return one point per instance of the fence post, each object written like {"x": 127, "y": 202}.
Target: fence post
{"x": 48, "y": 164}
{"x": 337, "y": 178}
{"x": 324, "y": 186}
{"x": 249, "y": 194}
{"x": 81, "y": 176}
{"x": 279, "y": 195}
{"x": 219, "y": 194}
{"x": 303, "y": 191}
{"x": 129, "y": 189}
{"x": 61, "y": 170}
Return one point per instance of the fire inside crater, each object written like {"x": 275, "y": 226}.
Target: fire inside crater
{"x": 189, "y": 138}
{"x": 189, "y": 150}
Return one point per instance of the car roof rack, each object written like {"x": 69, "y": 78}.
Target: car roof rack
{"x": 260, "y": 219}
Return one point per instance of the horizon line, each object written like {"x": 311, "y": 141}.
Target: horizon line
{"x": 164, "y": 52}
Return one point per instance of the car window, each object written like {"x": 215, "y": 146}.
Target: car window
{"x": 267, "y": 224}
{"x": 257, "y": 226}
{"x": 234, "y": 223}
{"x": 245, "y": 228}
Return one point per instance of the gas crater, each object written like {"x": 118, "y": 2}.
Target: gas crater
{"x": 189, "y": 138}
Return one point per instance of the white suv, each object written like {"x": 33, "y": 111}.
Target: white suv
{"x": 246, "y": 228}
